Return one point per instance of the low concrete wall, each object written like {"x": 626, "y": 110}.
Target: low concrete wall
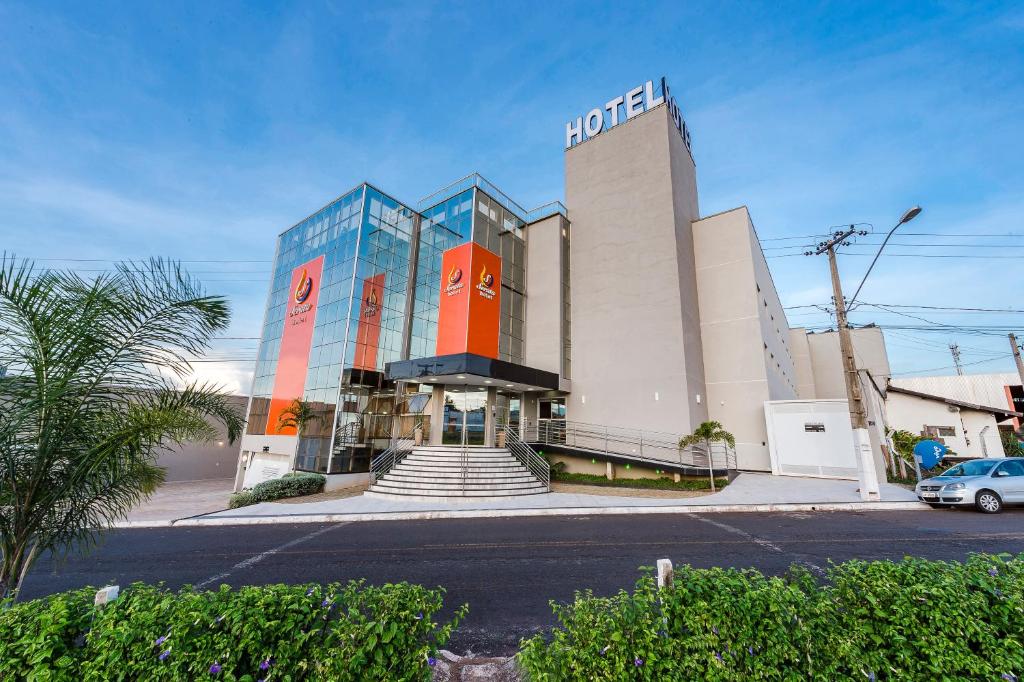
{"x": 339, "y": 481}
{"x": 580, "y": 465}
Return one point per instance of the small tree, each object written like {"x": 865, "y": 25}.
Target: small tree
{"x": 707, "y": 433}
{"x": 298, "y": 415}
{"x": 88, "y": 399}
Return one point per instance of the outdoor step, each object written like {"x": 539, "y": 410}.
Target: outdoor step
{"x": 429, "y": 492}
{"x": 497, "y": 469}
{"x": 457, "y": 448}
{"x": 457, "y": 475}
{"x": 459, "y": 460}
{"x": 455, "y": 485}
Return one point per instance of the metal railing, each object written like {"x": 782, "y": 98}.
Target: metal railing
{"x": 386, "y": 461}
{"x": 527, "y": 456}
{"x": 651, "y": 446}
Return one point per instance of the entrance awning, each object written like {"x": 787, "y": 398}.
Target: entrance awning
{"x": 472, "y": 370}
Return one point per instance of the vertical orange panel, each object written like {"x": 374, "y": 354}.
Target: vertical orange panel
{"x": 368, "y": 332}
{"x": 484, "y": 303}
{"x": 470, "y": 307}
{"x": 453, "y": 309}
{"x": 293, "y": 356}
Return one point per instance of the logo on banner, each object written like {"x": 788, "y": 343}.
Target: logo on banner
{"x": 454, "y": 281}
{"x": 372, "y": 305}
{"x": 305, "y": 287}
{"x": 486, "y": 282}
{"x": 302, "y": 292}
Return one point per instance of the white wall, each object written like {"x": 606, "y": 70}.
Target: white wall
{"x": 912, "y": 413}
{"x": 795, "y": 451}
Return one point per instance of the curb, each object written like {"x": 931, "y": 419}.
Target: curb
{"x": 507, "y": 513}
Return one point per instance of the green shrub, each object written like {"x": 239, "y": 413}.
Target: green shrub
{"x": 291, "y": 485}
{"x": 336, "y": 632}
{"x": 910, "y": 620}
{"x": 649, "y": 483}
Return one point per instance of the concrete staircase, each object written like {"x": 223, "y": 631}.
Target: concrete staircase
{"x": 437, "y": 471}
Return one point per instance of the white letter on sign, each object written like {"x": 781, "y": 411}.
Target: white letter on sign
{"x": 635, "y": 102}
{"x": 612, "y": 108}
{"x": 574, "y": 132}
{"x": 594, "y": 123}
{"x": 651, "y": 101}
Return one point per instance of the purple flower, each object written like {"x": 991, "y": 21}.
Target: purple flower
{"x": 325, "y": 602}
{"x": 638, "y": 662}
{"x": 1009, "y": 677}
{"x": 265, "y": 664}
{"x": 750, "y": 650}
{"x": 870, "y": 675}
{"x": 160, "y": 640}
{"x": 993, "y": 572}
{"x": 309, "y": 592}
{"x": 419, "y": 616}
{"x": 164, "y": 654}
{"x": 431, "y": 661}
{"x": 603, "y": 651}
{"x": 215, "y": 668}
{"x": 718, "y": 656}
{"x": 714, "y": 629}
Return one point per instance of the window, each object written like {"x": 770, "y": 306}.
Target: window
{"x": 940, "y": 431}
{"x": 814, "y": 428}
{"x": 1011, "y": 468}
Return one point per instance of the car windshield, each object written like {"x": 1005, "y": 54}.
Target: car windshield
{"x": 970, "y": 469}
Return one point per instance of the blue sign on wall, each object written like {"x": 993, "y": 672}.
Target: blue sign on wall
{"x": 929, "y": 453}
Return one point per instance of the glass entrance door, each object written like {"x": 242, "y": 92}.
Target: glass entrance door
{"x": 464, "y": 413}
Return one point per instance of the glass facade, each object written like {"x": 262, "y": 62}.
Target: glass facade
{"x": 378, "y": 303}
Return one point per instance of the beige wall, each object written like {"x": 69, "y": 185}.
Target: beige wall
{"x": 543, "y": 344}
{"x": 636, "y": 346}
{"x": 802, "y": 363}
{"x": 911, "y": 413}
{"x": 747, "y": 359}
{"x": 203, "y": 461}
{"x": 827, "y": 361}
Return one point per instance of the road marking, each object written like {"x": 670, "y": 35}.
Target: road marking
{"x": 253, "y": 560}
{"x": 770, "y": 546}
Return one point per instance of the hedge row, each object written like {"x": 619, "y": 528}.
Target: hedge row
{"x": 277, "y": 632}
{"x": 911, "y": 620}
{"x": 646, "y": 483}
{"x": 290, "y": 485}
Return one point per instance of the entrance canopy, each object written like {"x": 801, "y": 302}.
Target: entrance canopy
{"x": 472, "y": 370}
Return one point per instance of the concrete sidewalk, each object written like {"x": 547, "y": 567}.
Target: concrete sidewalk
{"x": 749, "y": 492}
{"x": 173, "y": 501}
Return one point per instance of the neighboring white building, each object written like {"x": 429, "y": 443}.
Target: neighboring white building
{"x": 968, "y": 429}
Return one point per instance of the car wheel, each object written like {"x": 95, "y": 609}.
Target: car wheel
{"x": 933, "y": 505}
{"x": 988, "y": 502}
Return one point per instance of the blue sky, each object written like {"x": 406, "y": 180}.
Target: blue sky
{"x": 201, "y": 130}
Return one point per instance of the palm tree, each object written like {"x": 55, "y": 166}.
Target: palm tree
{"x": 706, "y": 434}
{"x": 297, "y": 416}
{"x": 93, "y": 390}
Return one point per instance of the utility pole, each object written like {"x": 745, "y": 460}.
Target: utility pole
{"x": 866, "y": 472}
{"x": 1016, "y": 356}
{"x": 955, "y": 350}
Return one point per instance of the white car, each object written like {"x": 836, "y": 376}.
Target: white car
{"x": 987, "y": 484}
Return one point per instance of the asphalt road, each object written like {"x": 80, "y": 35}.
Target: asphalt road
{"x": 508, "y": 569}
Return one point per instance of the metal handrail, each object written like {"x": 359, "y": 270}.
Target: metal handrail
{"x": 527, "y": 456}
{"x": 396, "y": 452}
{"x": 657, "y": 447}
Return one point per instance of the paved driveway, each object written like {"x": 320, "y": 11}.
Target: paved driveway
{"x": 182, "y": 499}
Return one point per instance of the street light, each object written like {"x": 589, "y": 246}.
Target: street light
{"x": 909, "y": 215}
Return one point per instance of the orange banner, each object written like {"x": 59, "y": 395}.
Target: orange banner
{"x": 296, "y": 339}
{"x": 370, "y": 313}
{"x": 470, "y": 307}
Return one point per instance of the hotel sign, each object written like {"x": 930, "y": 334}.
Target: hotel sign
{"x": 624, "y": 107}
